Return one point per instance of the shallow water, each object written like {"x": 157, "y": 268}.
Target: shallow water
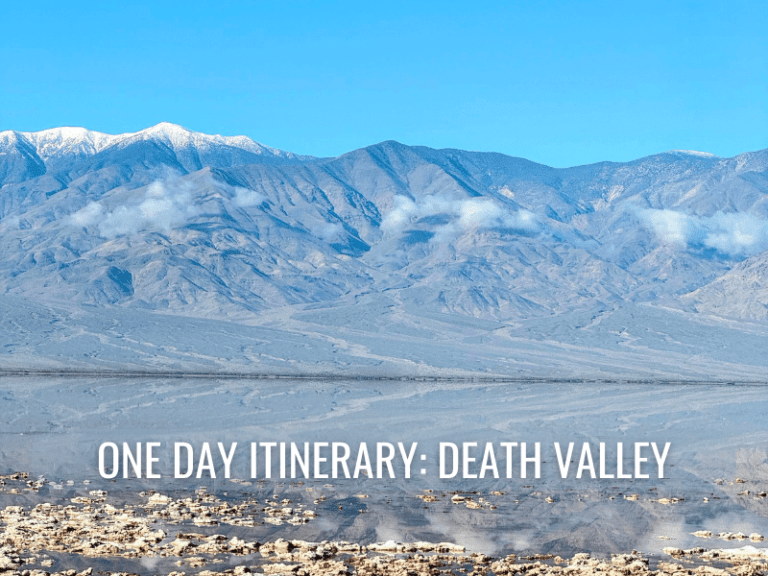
{"x": 718, "y": 433}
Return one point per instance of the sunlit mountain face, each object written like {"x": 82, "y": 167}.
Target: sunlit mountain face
{"x": 437, "y": 245}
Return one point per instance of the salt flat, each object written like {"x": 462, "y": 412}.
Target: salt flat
{"x": 54, "y": 427}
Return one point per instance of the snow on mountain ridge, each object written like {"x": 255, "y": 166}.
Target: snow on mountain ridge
{"x": 8, "y": 137}
{"x": 68, "y": 140}
{"x": 694, "y": 153}
{"x": 178, "y": 137}
{"x": 388, "y": 239}
{"x": 77, "y": 141}
{"x": 479, "y": 234}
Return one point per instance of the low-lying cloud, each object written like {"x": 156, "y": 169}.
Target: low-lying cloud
{"x": 161, "y": 208}
{"x": 10, "y": 223}
{"x": 731, "y": 234}
{"x": 465, "y": 215}
{"x": 328, "y": 231}
{"x": 245, "y": 197}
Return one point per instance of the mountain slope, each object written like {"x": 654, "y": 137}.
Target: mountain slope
{"x": 59, "y": 150}
{"x": 171, "y": 221}
{"x": 742, "y": 292}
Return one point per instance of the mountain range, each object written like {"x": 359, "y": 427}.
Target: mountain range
{"x": 154, "y": 250}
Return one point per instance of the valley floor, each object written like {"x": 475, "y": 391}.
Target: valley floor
{"x": 382, "y": 337}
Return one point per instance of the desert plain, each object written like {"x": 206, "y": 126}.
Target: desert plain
{"x": 60, "y": 515}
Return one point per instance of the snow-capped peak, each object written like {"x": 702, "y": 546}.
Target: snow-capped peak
{"x": 693, "y": 153}
{"x": 8, "y": 137}
{"x": 68, "y": 140}
{"x": 177, "y": 137}
{"x": 83, "y": 142}
{"x": 171, "y": 134}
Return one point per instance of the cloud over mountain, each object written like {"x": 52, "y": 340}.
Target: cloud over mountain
{"x": 163, "y": 206}
{"x": 461, "y": 215}
{"x": 731, "y": 234}
{"x": 389, "y": 239}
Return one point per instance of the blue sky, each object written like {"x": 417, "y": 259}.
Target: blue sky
{"x": 562, "y": 83}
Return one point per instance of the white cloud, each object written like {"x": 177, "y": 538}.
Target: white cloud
{"x": 403, "y": 211}
{"x": 478, "y": 213}
{"x": 469, "y": 214}
{"x": 87, "y": 216}
{"x": 245, "y": 197}
{"x": 732, "y": 234}
{"x": 10, "y": 223}
{"x": 740, "y": 234}
{"x": 670, "y": 227}
{"x": 161, "y": 208}
{"x": 327, "y": 231}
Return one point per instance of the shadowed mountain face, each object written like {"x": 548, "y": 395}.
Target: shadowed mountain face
{"x": 208, "y": 226}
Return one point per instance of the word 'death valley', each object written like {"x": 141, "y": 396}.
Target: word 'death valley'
{"x": 513, "y": 460}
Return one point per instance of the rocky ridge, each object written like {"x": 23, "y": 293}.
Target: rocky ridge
{"x": 175, "y": 222}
